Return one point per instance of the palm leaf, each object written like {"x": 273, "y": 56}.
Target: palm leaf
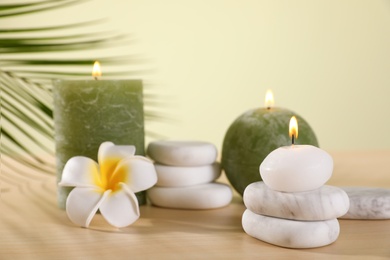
{"x": 29, "y": 64}
{"x": 7, "y": 10}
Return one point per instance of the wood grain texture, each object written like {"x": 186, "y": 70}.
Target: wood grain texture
{"x": 32, "y": 227}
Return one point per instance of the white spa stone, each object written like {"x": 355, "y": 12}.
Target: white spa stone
{"x": 296, "y": 168}
{"x": 182, "y": 153}
{"x": 324, "y": 203}
{"x": 202, "y": 196}
{"x": 290, "y": 233}
{"x": 178, "y": 176}
{"x": 368, "y": 203}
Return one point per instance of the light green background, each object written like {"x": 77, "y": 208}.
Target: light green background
{"x": 212, "y": 60}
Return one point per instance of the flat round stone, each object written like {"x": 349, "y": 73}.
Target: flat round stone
{"x": 296, "y": 168}
{"x": 202, "y": 196}
{"x": 182, "y": 153}
{"x": 178, "y": 176}
{"x": 325, "y": 203}
{"x": 290, "y": 233}
{"x": 368, "y": 203}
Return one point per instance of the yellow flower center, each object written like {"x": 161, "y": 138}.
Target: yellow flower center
{"x": 110, "y": 175}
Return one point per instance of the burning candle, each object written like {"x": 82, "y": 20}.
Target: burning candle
{"x": 90, "y": 112}
{"x": 296, "y": 168}
{"x": 252, "y": 136}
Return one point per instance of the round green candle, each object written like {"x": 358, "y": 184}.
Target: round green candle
{"x": 89, "y": 112}
{"x": 252, "y": 136}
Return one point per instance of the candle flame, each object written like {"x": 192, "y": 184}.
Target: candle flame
{"x": 96, "y": 71}
{"x": 293, "y": 129}
{"x": 269, "y": 99}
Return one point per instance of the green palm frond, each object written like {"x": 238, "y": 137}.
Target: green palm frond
{"x": 30, "y": 58}
{"x": 7, "y": 10}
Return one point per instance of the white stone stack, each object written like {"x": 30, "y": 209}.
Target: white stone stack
{"x": 303, "y": 219}
{"x": 186, "y": 173}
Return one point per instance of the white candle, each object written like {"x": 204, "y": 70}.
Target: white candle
{"x": 296, "y": 168}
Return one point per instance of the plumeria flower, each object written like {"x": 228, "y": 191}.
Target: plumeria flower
{"x": 109, "y": 186}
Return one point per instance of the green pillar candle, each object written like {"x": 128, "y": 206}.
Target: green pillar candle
{"x": 89, "y": 112}
{"x": 252, "y": 136}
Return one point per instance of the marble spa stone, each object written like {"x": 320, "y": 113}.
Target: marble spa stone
{"x": 182, "y": 153}
{"x": 178, "y": 176}
{"x": 202, "y": 196}
{"x": 368, "y": 203}
{"x": 290, "y": 233}
{"x": 324, "y": 203}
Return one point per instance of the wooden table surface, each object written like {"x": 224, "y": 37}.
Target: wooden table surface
{"x": 32, "y": 227}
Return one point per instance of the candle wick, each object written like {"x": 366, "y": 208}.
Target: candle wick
{"x": 268, "y": 108}
{"x": 96, "y": 78}
{"x": 293, "y": 139}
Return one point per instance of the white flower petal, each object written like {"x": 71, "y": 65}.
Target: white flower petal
{"x": 109, "y": 150}
{"x": 80, "y": 171}
{"x": 120, "y": 208}
{"x": 102, "y": 150}
{"x": 141, "y": 173}
{"x": 83, "y": 203}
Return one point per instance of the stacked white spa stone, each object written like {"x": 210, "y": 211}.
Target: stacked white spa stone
{"x": 186, "y": 173}
{"x": 286, "y": 217}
